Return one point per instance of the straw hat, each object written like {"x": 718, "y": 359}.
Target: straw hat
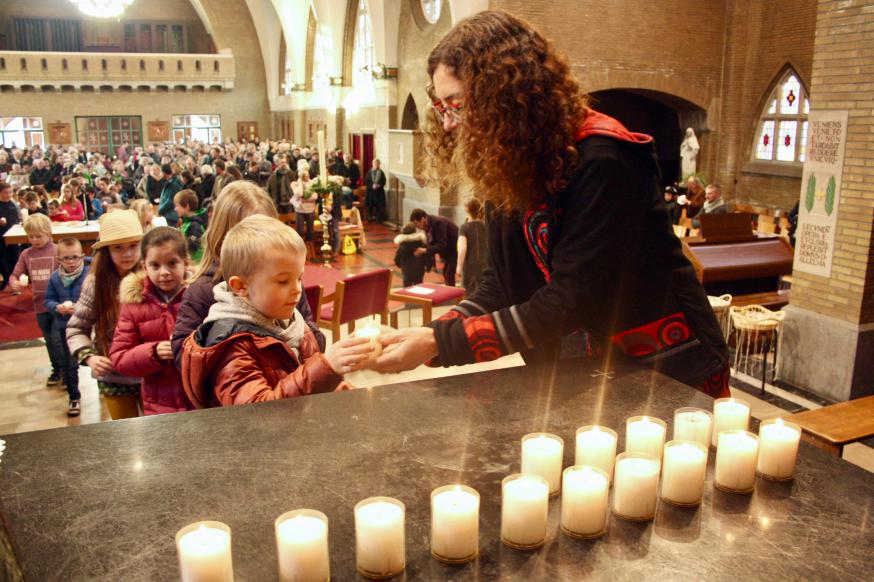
{"x": 119, "y": 227}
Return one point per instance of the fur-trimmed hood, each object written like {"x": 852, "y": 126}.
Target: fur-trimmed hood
{"x": 136, "y": 287}
{"x": 418, "y": 236}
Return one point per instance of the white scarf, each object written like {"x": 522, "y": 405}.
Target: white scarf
{"x": 711, "y": 206}
{"x": 229, "y": 306}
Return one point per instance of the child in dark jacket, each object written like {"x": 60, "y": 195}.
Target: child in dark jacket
{"x": 150, "y": 300}
{"x": 413, "y": 267}
{"x": 193, "y": 222}
{"x": 62, "y": 293}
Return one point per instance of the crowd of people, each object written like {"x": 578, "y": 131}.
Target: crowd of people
{"x": 164, "y": 212}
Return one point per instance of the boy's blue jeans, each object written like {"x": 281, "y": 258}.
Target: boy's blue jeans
{"x": 62, "y": 361}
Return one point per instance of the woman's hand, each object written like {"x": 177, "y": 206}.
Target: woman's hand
{"x": 100, "y": 365}
{"x": 348, "y": 355}
{"x": 405, "y": 350}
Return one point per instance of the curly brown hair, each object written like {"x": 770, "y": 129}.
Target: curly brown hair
{"x": 522, "y": 109}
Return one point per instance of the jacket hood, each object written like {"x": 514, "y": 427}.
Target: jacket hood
{"x": 206, "y": 347}
{"x": 199, "y": 216}
{"x": 418, "y": 236}
{"x": 599, "y": 124}
{"x": 136, "y": 288}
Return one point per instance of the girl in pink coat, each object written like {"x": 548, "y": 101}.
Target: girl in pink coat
{"x": 150, "y": 300}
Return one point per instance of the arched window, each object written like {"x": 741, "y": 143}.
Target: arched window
{"x": 321, "y": 62}
{"x": 363, "y": 55}
{"x": 782, "y": 129}
{"x": 431, "y": 10}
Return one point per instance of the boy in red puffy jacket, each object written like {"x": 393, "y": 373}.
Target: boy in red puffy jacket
{"x": 150, "y": 300}
{"x": 254, "y": 345}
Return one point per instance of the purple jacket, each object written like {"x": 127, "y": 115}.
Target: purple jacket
{"x": 195, "y": 307}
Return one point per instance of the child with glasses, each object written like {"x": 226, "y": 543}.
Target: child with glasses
{"x": 33, "y": 269}
{"x": 63, "y": 291}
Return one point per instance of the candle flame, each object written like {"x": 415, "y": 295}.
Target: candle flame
{"x": 645, "y": 419}
{"x": 779, "y": 422}
{"x": 596, "y": 429}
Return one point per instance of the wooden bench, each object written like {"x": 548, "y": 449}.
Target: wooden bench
{"x": 772, "y": 300}
{"x": 832, "y": 427}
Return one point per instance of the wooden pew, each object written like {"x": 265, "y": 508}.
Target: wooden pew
{"x": 741, "y": 268}
{"x": 832, "y": 427}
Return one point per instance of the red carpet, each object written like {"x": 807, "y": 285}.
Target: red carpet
{"x": 17, "y": 319}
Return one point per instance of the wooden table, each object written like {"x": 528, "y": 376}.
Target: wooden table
{"x": 79, "y": 230}
{"x": 832, "y": 427}
{"x": 425, "y": 301}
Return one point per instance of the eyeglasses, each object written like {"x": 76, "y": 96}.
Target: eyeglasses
{"x": 442, "y": 109}
{"x": 71, "y": 259}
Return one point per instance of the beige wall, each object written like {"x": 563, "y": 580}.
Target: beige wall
{"x": 232, "y": 28}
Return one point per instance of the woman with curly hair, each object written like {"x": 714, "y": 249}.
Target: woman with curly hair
{"x": 581, "y": 251}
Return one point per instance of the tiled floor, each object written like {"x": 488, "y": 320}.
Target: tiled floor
{"x": 26, "y": 404}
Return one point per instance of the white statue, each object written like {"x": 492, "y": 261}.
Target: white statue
{"x": 688, "y": 153}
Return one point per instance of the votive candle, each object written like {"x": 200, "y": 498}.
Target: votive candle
{"x": 636, "y": 486}
{"x": 302, "y": 546}
{"x": 454, "y": 524}
{"x": 596, "y": 447}
{"x": 644, "y": 434}
{"x": 372, "y": 332}
{"x": 778, "y": 449}
{"x": 736, "y": 454}
{"x": 729, "y": 414}
{"x": 584, "y": 501}
{"x": 379, "y": 537}
{"x": 524, "y": 511}
{"x": 204, "y": 550}
{"x": 684, "y": 467}
{"x": 542, "y": 454}
{"x": 693, "y": 424}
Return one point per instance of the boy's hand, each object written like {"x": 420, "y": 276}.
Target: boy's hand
{"x": 16, "y": 286}
{"x": 348, "y": 355}
{"x": 164, "y": 350}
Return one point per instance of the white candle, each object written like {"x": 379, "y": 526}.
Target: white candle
{"x": 645, "y": 435}
{"x": 454, "y": 524}
{"x": 372, "y": 332}
{"x": 542, "y": 455}
{"x": 693, "y": 424}
{"x": 379, "y": 537}
{"x": 778, "y": 449}
{"x": 736, "y": 454}
{"x": 204, "y": 550}
{"x": 524, "y": 510}
{"x": 729, "y": 414}
{"x": 636, "y": 486}
{"x": 24, "y": 280}
{"x": 584, "y": 501}
{"x": 596, "y": 447}
{"x": 323, "y": 158}
{"x": 302, "y": 546}
{"x": 684, "y": 467}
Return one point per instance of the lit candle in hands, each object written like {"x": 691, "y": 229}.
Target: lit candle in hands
{"x": 372, "y": 332}
{"x": 24, "y": 280}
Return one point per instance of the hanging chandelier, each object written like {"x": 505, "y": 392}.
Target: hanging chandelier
{"x": 102, "y": 8}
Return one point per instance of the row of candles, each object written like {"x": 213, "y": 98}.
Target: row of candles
{"x": 679, "y": 465}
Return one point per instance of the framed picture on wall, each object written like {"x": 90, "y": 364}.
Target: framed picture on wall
{"x": 60, "y": 133}
{"x": 247, "y": 130}
{"x": 159, "y": 131}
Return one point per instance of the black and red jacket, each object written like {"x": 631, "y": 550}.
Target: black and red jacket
{"x": 600, "y": 256}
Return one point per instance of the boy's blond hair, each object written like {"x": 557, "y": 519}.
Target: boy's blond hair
{"x": 246, "y": 245}
{"x": 38, "y": 224}
{"x": 68, "y": 243}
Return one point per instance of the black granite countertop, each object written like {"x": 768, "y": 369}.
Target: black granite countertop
{"x": 103, "y": 502}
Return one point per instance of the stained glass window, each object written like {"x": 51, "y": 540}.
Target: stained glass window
{"x": 201, "y": 127}
{"x": 778, "y": 138}
{"x": 21, "y": 132}
{"x": 363, "y": 55}
{"x": 765, "y": 149}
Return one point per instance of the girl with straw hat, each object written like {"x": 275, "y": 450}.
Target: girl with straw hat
{"x": 116, "y": 254}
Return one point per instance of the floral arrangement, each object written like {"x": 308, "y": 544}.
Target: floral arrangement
{"x": 334, "y": 186}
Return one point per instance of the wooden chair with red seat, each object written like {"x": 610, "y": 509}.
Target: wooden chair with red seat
{"x": 314, "y": 298}
{"x": 362, "y": 295}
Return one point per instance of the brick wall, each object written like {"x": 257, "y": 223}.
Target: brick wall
{"x": 843, "y": 78}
